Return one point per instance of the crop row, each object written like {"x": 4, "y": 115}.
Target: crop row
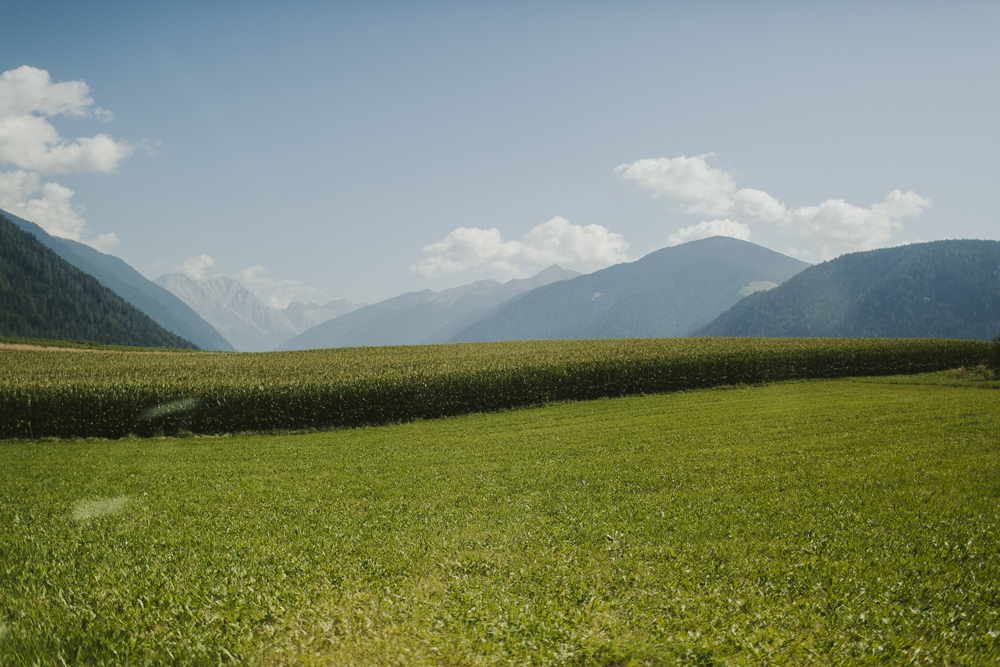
{"x": 112, "y": 394}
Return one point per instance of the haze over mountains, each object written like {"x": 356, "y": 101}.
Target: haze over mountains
{"x": 942, "y": 289}
{"x": 667, "y": 293}
{"x": 424, "y": 317}
{"x": 248, "y": 323}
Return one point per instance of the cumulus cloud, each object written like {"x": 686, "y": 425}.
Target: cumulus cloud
{"x": 29, "y": 142}
{"x": 833, "y": 227}
{"x": 199, "y": 268}
{"x": 703, "y": 190}
{"x": 556, "y": 241}
{"x": 47, "y": 205}
{"x": 104, "y": 243}
{"x": 277, "y": 293}
{"x": 705, "y": 229}
{"x": 836, "y": 226}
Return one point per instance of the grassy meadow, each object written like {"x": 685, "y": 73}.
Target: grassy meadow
{"x": 824, "y": 522}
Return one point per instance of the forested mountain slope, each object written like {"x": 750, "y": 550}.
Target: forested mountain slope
{"x": 44, "y": 296}
{"x": 163, "y": 307}
{"x": 942, "y": 289}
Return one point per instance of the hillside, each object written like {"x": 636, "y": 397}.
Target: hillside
{"x": 666, "y": 293}
{"x": 942, "y": 289}
{"x": 44, "y": 296}
{"x": 163, "y": 307}
{"x": 424, "y": 317}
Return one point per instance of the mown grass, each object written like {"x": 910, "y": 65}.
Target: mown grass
{"x": 822, "y": 522}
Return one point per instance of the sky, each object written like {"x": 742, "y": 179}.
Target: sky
{"x": 321, "y": 150}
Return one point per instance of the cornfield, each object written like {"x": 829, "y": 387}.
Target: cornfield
{"x": 112, "y": 394}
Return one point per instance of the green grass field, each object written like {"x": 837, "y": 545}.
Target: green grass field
{"x": 832, "y": 522}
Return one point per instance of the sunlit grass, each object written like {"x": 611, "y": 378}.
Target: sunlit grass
{"x": 827, "y": 522}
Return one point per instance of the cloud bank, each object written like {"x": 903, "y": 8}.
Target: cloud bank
{"x": 199, "y": 268}
{"x": 30, "y": 143}
{"x": 556, "y": 241}
{"x": 832, "y": 227}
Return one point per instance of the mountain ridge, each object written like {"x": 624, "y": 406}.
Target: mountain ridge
{"x": 114, "y": 273}
{"x": 665, "y": 293}
{"x": 45, "y": 297}
{"x": 940, "y": 289}
{"x": 242, "y": 318}
{"x": 423, "y": 317}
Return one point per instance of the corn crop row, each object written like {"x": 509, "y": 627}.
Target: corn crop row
{"x": 114, "y": 394}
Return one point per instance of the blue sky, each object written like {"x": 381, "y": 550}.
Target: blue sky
{"x": 323, "y": 150}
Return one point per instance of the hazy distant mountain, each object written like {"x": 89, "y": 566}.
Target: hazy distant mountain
{"x": 163, "y": 307}
{"x": 304, "y": 316}
{"x": 666, "y": 293}
{"x": 243, "y": 319}
{"x": 943, "y": 289}
{"x": 420, "y": 317}
{"x": 44, "y": 296}
{"x": 248, "y": 323}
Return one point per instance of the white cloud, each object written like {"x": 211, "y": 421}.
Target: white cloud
{"x": 833, "y": 227}
{"x": 277, "y": 293}
{"x": 750, "y": 204}
{"x": 28, "y": 89}
{"x": 32, "y": 145}
{"x": 47, "y": 205}
{"x": 556, "y": 241}
{"x": 704, "y": 190}
{"x": 104, "y": 242}
{"x": 29, "y": 141}
{"x": 52, "y": 211}
{"x": 705, "y": 229}
{"x": 199, "y": 268}
{"x": 837, "y": 227}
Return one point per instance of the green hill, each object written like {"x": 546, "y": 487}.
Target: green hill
{"x": 43, "y": 296}
{"x": 163, "y": 307}
{"x": 666, "y": 293}
{"x": 943, "y": 289}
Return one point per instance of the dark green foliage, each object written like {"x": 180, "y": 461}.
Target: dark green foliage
{"x": 43, "y": 296}
{"x": 666, "y": 293}
{"x": 944, "y": 289}
{"x": 162, "y": 307}
{"x": 107, "y": 394}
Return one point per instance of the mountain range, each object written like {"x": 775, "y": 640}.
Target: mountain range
{"x": 941, "y": 289}
{"x": 160, "y": 305}
{"x": 44, "y": 296}
{"x": 244, "y": 320}
{"x": 667, "y": 293}
{"x": 424, "y": 317}
{"x": 712, "y": 287}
